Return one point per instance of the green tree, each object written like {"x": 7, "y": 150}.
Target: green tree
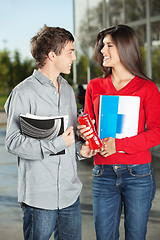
{"x": 155, "y": 65}
{"x": 82, "y": 70}
{"x": 13, "y": 70}
{"x": 20, "y": 69}
{"x": 5, "y": 66}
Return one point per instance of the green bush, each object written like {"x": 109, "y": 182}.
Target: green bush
{"x": 3, "y": 98}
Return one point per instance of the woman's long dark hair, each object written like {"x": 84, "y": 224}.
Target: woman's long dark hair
{"x": 125, "y": 39}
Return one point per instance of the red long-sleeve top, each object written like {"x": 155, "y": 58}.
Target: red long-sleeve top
{"x": 136, "y": 148}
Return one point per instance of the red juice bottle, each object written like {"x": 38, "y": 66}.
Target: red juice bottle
{"x": 94, "y": 142}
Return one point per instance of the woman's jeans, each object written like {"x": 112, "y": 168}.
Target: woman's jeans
{"x": 39, "y": 224}
{"x": 130, "y": 185}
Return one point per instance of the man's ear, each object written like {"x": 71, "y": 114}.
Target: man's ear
{"x": 51, "y": 55}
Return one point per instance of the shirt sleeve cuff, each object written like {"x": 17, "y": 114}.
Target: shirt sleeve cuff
{"x": 58, "y": 144}
{"x": 53, "y": 146}
{"x": 119, "y": 145}
{"x": 78, "y": 147}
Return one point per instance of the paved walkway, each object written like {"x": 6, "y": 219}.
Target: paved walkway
{"x": 3, "y": 119}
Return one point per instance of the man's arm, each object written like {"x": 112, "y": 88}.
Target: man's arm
{"x": 26, "y": 147}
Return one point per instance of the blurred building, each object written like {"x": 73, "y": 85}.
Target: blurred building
{"x": 91, "y": 16}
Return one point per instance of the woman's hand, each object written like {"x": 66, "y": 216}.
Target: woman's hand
{"x": 109, "y": 147}
{"x": 85, "y": 132}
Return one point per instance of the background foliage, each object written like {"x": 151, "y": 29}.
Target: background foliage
{"x": 13, "y": 70}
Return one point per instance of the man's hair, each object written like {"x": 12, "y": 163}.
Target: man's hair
{"x": 49, "y": 39}
{"x": 125, "y": 39}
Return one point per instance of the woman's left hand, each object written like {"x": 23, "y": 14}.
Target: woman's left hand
{"x": 109, "y": 147}
{"x": 85, "y": 132}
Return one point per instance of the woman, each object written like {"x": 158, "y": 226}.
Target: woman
{"x": 122, "y": 174}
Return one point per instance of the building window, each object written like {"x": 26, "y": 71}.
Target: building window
{"x": 155, "y": 38}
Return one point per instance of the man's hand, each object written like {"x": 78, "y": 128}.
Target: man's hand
{"x": 68, "y": 136}
{"x": 109, "y": 147}
{"x": 86, "y": 151}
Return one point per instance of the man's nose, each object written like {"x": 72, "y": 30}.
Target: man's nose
{"x": 74, "y": 57}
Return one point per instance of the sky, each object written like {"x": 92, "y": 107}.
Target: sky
{"x": 20, "y": 20}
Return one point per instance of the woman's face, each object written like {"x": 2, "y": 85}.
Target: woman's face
{"x": 110, "y": 53}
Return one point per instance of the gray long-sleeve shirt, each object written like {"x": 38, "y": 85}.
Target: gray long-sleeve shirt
{"x": 44, "y": 180}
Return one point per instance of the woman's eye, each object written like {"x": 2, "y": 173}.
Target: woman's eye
{"x": 110, "y": 45}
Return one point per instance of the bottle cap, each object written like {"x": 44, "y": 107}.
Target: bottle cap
{"x": 80, "y": 111}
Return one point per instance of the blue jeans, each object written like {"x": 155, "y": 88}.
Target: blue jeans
{"x": 115, "y": 185}
{"x": 39, "y": 224}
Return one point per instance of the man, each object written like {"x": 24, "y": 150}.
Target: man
{"x": 48, "y": 185}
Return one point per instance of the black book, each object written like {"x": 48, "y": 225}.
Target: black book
{"x": 41, "y": 127}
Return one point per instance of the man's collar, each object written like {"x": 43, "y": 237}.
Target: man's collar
{"x": 43, "y": 79}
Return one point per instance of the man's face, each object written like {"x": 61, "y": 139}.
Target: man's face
{"x": 64, "y": 61}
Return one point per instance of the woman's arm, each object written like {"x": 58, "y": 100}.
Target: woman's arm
{"x": 151, "y": 137}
